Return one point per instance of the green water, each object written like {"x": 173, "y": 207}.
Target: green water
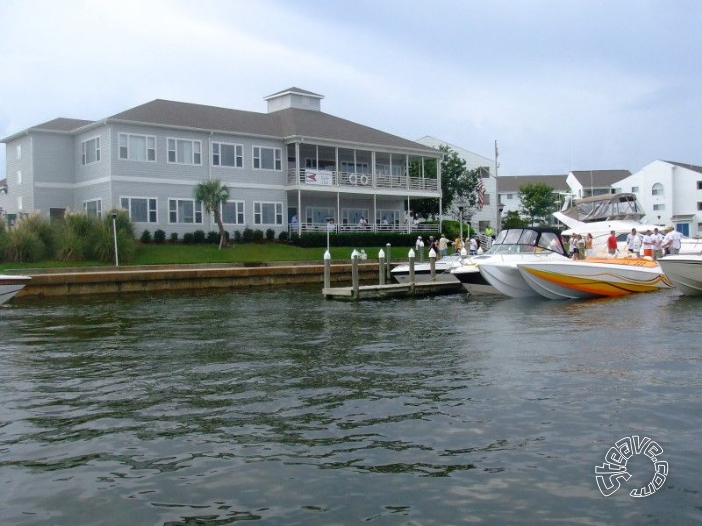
{"x": 284, "y": 408}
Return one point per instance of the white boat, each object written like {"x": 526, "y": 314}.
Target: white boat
{"x": 600, "y": 214}
{"x": 11, "y": 285}
{"x": 422, "y": 271}
{"x": 495, "y": 271}
{"x": 593, "y": 277}
{"x": 685, "y": 272}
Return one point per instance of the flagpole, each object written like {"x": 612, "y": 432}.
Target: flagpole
{"x": 497, "y": 195}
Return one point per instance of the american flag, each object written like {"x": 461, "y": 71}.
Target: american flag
{"x": 481, "y": 192}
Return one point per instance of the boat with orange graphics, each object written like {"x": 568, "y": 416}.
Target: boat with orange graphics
{"x": 593, "y": 277}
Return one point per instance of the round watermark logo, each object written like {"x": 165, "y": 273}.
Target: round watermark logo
{"x": 609, "y": 474}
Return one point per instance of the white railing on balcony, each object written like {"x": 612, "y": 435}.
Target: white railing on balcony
{"x": 361, "y": 180}
{"x": 338, "y": 229}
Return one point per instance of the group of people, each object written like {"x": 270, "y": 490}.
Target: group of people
{"x": 654, "y": 243}
{"x": 651, "y": 243}
{"x": 581, "y": 247}
{"x": 441, "y": 245}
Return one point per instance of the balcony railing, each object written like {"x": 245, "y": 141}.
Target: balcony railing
{"x": 359, "y": 180}
{"x": 343, "y": 228}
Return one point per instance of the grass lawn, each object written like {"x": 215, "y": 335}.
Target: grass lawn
{"x": 168, "y": 254}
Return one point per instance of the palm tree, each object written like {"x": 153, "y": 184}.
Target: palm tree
{"x": 213, "y": 194}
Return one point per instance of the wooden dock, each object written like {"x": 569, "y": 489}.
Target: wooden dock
{"x": 394, "y": 290}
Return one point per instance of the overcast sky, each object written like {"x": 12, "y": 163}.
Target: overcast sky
{"x": 560, "y": 84}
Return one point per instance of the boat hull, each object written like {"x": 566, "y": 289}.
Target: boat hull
{"x": 593, "y": 278}
{"x": 504, "y": 276}
{"x": 10, "y": 286}
{"x": 473, "y": 281}
{"x": 685, "y": 272}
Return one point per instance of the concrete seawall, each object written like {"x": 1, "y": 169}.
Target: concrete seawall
{"x": 188, "y": 277}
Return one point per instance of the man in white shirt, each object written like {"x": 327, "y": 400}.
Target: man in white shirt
{"x": 633, "y": 242}
{"x": 657, "y": 244}
{"x": 672, "y": 240}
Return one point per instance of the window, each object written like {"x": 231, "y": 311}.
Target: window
{"x": 137, "y": 147}
{"x": 657, "y": 189}
{"x": 93, "y": 208}
{"x": 184, "y": 211}
{"x": 141, "y": 209}
{"x": 224, "y": 154}
{"x": 359, "y": 168}
{"x": 182, "y": 151}
{"x": 319, "y": 215}
{"x": 19, "y": 177}
{"x": 266, "y": 158}
{"x": 18, "y": 152}
{"x": 699, "y": 185}
{"x": 635, "y": 189}
{"x": 509, "y": 196}
{"x": 268, "y": 213}
{"x": 699, "y": 205}
{"x": 352, "y": 216}
{"x": 233, "y": 212}
{"x": 90, "y": 151}
{"x": 660, "y": 206}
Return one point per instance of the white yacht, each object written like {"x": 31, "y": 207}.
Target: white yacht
{"x": 600, "y": 214}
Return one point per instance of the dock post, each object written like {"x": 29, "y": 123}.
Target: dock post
{"x": 327, "y": 270}
{"x": 381, "y": 267}
{"x": 354, "y": 274}
{"x": 387, "y": 263}
{"x": 411, "y": 271}
{"x": 432, "y": 264}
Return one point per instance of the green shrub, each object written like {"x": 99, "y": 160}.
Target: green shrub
{"x": 213, "y": 237}
{"x": 23, "y": 246}
{"x": 174, "y": 237}
{"x": 247, "y": 236}
{"x": 270, "y": 235}
{"x": 145, "y": 237}
{"x": 257, "y": 235}
{"x": 237, "y": 236}
{"x": 283, "y": 236}
{"x": 159, "y": 236}
{"x": 27, "y": 240}
{"x": 199, "y": 236}
{"x": 188, "y": 238}
{"x": 104, "y": 240}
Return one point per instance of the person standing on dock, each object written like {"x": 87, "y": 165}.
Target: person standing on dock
{"x": 443, "y": 246}
{"x": 419, "y": 248}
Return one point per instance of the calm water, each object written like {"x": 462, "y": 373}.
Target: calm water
{"x": 280, "y": 407}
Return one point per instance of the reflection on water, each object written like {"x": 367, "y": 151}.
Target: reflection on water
{"x": 281, "y": 407}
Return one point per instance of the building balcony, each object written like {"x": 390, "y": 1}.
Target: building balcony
{"x": 349, "y": 180}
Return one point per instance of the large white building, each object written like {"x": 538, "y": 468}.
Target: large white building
{"x": 292, "y": 161}
{"x": 670, "y": 193}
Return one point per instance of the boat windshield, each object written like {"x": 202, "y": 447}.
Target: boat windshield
{"x": 523, "y": 240}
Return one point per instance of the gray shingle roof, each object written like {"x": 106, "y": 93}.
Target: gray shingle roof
{"x": 281, "y": 124}
{"x": 62, "y": 124}
{"x": 692, "y": 167}
{"x": 510, "y": 184}
{"x": 600, "y": 178}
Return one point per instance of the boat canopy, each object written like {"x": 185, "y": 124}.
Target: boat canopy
{"x": 607, "y": 207}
